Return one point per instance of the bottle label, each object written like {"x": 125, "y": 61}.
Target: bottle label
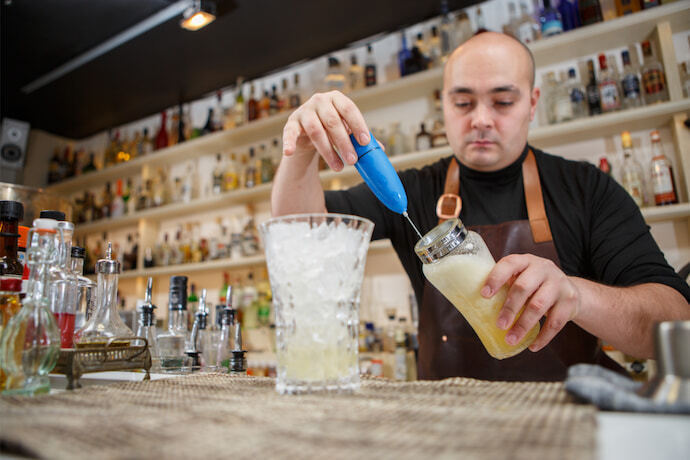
{"x": 632, "y": 184}
{"x": 610, "y": 99}
{"x": 577, "y": 96}
{"x": 653, "y": 81}
{"x": 370, "y": 75}
{"x": 662, "y": 183}
{"x": 525, "y": 33}
{"x": 423, "y": 143}
{"x": 563, "y": 110}
{"x": 551, "y": 27}
{"x": 631, "y": 86}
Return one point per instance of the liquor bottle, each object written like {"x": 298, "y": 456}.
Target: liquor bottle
{"x": 562, "y": 103}
{"x": 609, "y": 92}
{"x": 435, "y": 58}
{"x": 421, "y": 45}
{"x": 106, "y": 201}
{"x": 646, "y": 4}
{"x": 173, "y": 133}
{"x": 11, "y": 212}
{"x": 218, "y": 173}
{"x": 447, "y": 39}
{"x": 569, "y": 14}
{"x": 192, "y": 304}
{"x": 117, "y": 208}
{"x": 590, "y": 12}
{"x": 630, "y": 84}
{"x": 162, "y": 135}
{"x": 240, "y": 111}
{"x": 30, "y": 344}
{"x": 105, "y": 323}
{"x": 283, "y": 99}
{"x": 463, "y": 32}
{"x": 264, "y": 105}
{"x": 252, "y": 105}
{"x": 265, "y": 170}
{"x": 128, "y": 197}
{"x": 624, "y": 7}
{"x": 549, "y": 86}
{"x": 604, "y": 166}
{"x": 227, "y": 319}
{"x": 528, "y": 29}
{"x": 295, "y": 98}
{"x": 663, "y": 183}
{"x": 355, "y": 75}
{"x": 274, "y": 101}
{"x": 632, "y": 175}
{"x": 190, "y": 131}
{"x": 147, "y": 143}
{"x": 209, "y": 126}
{"x": 190, "y": 188}
{"x": 90, "y": 166}
{"x": 181, "y": 124}
{"x": 438, "y": 128}
{"x": 149, "y": 262}
{"x": 230, "y": 176}
{"x": 578, "y": 97}
{"x": 219, "y": 112}
{"x": 335, "y": 78}
{"x": 510, "y": 27}
{"x": 396, "y": 142}
{"x": 481, "y": 24}
{"x": 171, "y": 343}
{"x": 550, "y": 19}
{"x": 653, "y": 76}
{"x": 250, "y": 170}
{"x": 593, "y": 98}
{"x": 405, "y": 54}
{"x": 422, "y": 139}
{"x": 147, "y": 325}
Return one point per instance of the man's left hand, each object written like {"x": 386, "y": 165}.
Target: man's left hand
{"x": 541, "y": 288}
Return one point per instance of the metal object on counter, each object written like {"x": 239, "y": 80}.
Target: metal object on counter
{"x": 238, "y": 356}
{"x": 671, "y": 385}
{"x": 197, "y": 339}
{"x": 34, "y": 200}
{"x": 117, "y": 354}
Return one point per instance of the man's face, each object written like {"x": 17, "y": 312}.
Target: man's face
{"x": 488, "y": 104}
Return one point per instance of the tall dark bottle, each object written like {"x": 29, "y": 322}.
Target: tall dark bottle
{"x": 162, "y": 135}
{"x": 593, "y": 98}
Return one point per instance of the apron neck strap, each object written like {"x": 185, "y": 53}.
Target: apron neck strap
{"x": 449, "y": 204}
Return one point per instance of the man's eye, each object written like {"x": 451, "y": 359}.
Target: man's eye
{"x": 504, "y": 103}
{"x": 462, "y": 104}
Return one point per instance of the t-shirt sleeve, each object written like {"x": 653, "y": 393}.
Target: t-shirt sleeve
{"x": 360, "y": 201}
{"x": 622, "y": 250}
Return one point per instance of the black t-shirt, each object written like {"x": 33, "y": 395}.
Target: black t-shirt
{"x": 597, "y": 228}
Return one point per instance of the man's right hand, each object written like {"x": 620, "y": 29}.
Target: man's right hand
{"x": 324, "y": 121}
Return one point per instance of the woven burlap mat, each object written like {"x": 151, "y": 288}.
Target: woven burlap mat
{"x": 219, "y": 416}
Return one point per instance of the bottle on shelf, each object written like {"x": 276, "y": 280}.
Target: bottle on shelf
{"x": 265, "y": 170}
{"x": 632, "y": 175}
{"x": 146, "y": 326}
{"x": 250, "y": 170}
{"x": 239, "y": 110}
{"x": 283, "y": 99}
{"x": 295, "y": 95}
{"x": 171, "y": 343}
{"x": 663, "y": 183}
{"x": 355, "y": 75}
{"x": 421, "y": 45}
{"x": 422, "y": 139}
{"x": 30, "y": 343}
{"x": 274, "y": 101}
{"x": 569, "y": 14}
{"x": 146, "y": 143}
{"x": 162, "y": 135}
{"x": 609, "y": 92}
{"x": 528, "y": 29}
{"x": 605, "y": 166}
{"x": 265, "y": 105}
{"x": 624, "y": 7}
{"x": 218, "y": 175}
{"x": 397, "y": 144}
{"x": 435, "y": 54}
{"x": 192, "y": 304}
{"x": 653, "y": 76}
{"x": 209, "y": 126}
{"x": 173, "y": 133}
{"x": 90, "y": 166}
{"x": 593, "y": 97}
{"x": 578, "y": 96}
{"x": 589, "y": 12}
{"x": 117, "y": 208}
{"x": 511, "y": 27}
{"x": 481, "y": 24}
{"x": 561, "y": 100}
{"x": 448, "y": 41}
{"x": 230, "y": 175}
{"x": 550, "y": 19}
{"x": 335, "y": 78}
{"x": 438, "y": 128}
{"x": 630, "y": 83}
{"x": 220, "y": 112}
{"x": 252, "y": 105}
{"x": 404, "y": 55}
{"x": 400, "y": 352}
{"x": 549, "y": 93}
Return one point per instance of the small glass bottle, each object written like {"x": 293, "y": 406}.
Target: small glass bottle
{"x": 422, "y": 139}
{"x": 550, "y": 18}
{"x": 449, "y": 249}
{"x": 218, "y": 172}
{"x": 240, "y": 110}
{"x": 295, "y": 95}
{"x": 355, "y": 75}
{"x": 653, "y": 76}
{"x": 199, "y": 347}
{"x": 448, "y": 41}
{"x": 105, "y": 324}
{"x": 30, "y": 344}
{"x": 630, "y": 83}
{"x": 146, "y": 327}
{"x": 609, "y": 92}
{"x": 224, "y": 344}
{"x": 663, "y": 183}
{"x": 632, "y": 175}
{"x": 86, "y": 289}
{"x": 11, "y": 212}
{"x": 397, "y": 144}
{"x": 335, "y": 78}
{"x": 562, "y": 104}
{"x": 593, "y": 98}
{"x": 578, "y": 97}
{"x": 172, "y": 342}
{"x": 528, "y": 29}
{"x": 250, "y": 170}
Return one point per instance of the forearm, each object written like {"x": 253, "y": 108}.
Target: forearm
{"x": 625, "y": 316}
{"x": 297, "y": 186}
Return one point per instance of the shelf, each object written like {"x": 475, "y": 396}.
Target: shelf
{"x": 618, "y": 32}
{"x": 222, "y": 264}
{"x": 647, "y": 117}
{"x": 666, "y": 213}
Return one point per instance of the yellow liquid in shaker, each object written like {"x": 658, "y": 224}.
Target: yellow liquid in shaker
{"x": 460, "y": 277}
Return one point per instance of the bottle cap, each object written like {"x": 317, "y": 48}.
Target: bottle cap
{"x": 57, "y": 215}
{"x": 45, "y": 223}
{"x": 655, "y": 136}
{"x": 602, "y": 61}
{"x": 78, "y": 253}
{"x": 108, "y": 266}
{"x": 66, "y": 226}
{"x": 626, "y": 141}
{"x": 11, "y": 210}
{"x": 441, "y": 240}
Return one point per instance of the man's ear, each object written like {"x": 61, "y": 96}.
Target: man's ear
{"x": 534, "y": 98}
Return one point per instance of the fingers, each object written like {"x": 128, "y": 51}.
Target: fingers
{"x": 502, "y": 272}
{"x": 537, "y": 306}
{"x": 291, "y": 132}
{"x": 352, "y": 116}
{"x": 556, "y": 319}
{"x": 311, "y": 125}
{"x": 336, "y": 132}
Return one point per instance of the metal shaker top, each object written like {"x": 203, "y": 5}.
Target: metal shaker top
{"x": 108, "y": 266}
{"x": 441, "y": 241}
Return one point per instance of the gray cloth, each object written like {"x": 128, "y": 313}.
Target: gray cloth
{"x": 611, "y": 391}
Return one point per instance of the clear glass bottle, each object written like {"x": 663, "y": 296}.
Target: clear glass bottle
{"x": 449, "y": 249}
{"x": 250, "y": 170}
{"x": 435, "y": 48}
{"x": 448, "y": 41}
{"x": 653, "y": 76}
{"x": 355, "y": 75}
{"x": 335, "y": 78}
{"x": 218, "y": 173}
{"x": 463, "y": 32}
{"x": 578, "y": 97}
{"x": 224, "y": 344}
{"x": 63, "y": 288}
{"x": 105, "y": 324}
{"x": 200, "y": 345}
{"x": 528, "y": 30}
{"x": 146, "y": 327}
{"x": 397, "y": 144}
{"x": 549, "y": 91}
{"x": 86, "y": 289}
{"x": 609, "y": 92}
{"x": 663, "y": 183}
{"x": 295, "y": 95}
{"x": 550, "y": 19}
{"x": 630, "y": 83}
{"x": 30, "y": 344}
{"x": 632, "y": 174}
{"x": 562, "y": 104}
{"x": 172, "y": 342}
{"x": 240, "y": 110}
{"x": 593, "y": 98}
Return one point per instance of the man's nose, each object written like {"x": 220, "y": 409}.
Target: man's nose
{"x": 481, "y": 117}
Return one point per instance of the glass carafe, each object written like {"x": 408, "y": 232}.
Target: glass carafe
{"x": 105, "y": 323}
{"x": 30, "y": 344}
{"x": 457, "y": 262}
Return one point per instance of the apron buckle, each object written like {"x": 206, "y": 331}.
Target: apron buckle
{"x": 448, "y": 206}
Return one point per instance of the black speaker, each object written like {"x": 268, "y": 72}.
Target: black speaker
{"x": 15, "y": 135}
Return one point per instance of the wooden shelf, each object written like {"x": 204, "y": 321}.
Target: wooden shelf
{"x": 222, "y": 264}
{"x": 665, "y": 213}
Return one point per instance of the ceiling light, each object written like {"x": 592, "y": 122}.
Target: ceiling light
{"x": 199, "y": 15}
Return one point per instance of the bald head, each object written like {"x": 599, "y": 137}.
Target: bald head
{"x": 496, "y": 45}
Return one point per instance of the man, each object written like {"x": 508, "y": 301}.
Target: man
{"x": 584, "y": 261}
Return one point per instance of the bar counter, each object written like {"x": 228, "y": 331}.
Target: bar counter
{"x": 221, "y": 416}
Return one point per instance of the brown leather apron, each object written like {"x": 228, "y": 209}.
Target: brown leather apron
{"x": 449, "y": 347}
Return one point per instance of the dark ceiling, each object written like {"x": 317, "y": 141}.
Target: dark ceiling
{"x": 167, "y": 64}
